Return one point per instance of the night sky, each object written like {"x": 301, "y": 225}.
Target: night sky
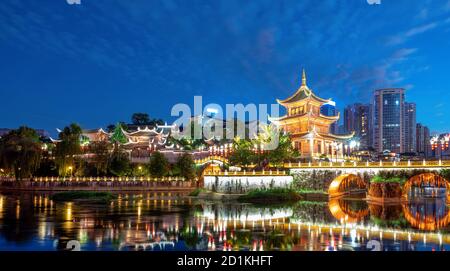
{"x": 98, "y": 62}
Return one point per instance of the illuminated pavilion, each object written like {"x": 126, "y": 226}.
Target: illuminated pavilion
{"x": 308, "y": 128}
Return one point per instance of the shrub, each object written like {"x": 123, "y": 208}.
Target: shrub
{"x": 196, "y": 192}
{"x": 380, "y": 179}
{"x": 271, "y": 195}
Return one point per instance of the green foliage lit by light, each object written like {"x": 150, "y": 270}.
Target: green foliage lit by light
{"x": 118, "y": 135}
{"x": 20, "y": 152}
{"x": 67, "y": 149}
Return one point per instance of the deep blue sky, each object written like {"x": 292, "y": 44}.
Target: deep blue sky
{"x": 98, "y": 62}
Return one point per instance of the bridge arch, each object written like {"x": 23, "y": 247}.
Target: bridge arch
{"x": 345, "y": 184}
{"x": 429, "y": 179}
{"x": 212, "y": 160}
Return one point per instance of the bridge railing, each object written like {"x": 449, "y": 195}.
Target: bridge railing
{"x": 382, "y": 164}
{"x": 99, "y": 179}
{"x": 249, "y": 173}
{"x": 211, "y": 158}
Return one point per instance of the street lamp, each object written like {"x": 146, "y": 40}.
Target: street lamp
{"x": 71, "y": 170}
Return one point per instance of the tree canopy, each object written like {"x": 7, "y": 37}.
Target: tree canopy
{"x": 140, "y": 118}
{"x": 118, "y": 136}
{"x": 67, "y": 148}
{"x": 101, "y": 151}
{"x": 20, "y": 152}
{"x": 158, "y": 166}
{"x": 119, "y": 163}
{"x": 144, "y": 119}
{"x": 185, "y": 166}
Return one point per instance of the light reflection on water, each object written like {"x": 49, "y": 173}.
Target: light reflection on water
{"x": 173, "y": 221}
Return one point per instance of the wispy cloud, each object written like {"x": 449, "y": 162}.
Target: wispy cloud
{"x": 403, "y": 37}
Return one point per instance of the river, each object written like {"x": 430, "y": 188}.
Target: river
{"x": 30, "y": 221}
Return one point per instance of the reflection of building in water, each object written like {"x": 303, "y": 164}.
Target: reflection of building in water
{"x": 1, "y": 207}
{"x": 148, "y": 222}
{"x": 345, "y": 212}
{"x": 244, "y": 212}
{"x": 235, "y": 184}
{"x": 429, "y": 215}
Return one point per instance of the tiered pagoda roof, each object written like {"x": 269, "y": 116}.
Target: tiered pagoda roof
{"x": 305, "y": 99}
{"x": 303, "y": 94}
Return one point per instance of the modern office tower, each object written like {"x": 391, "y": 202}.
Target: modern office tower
{"x": 329, "y": 110}
{"x": 358, "y": 119}
{"x": 410, "y": 143}
{"x": 388, "y": 120}
{"x": 423, "y": 140}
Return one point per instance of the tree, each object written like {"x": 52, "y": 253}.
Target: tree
{"x": 277, "y": 144}
{"x": 67, "y": 148}
{"x": 118, "y": 136}
{"x": 154, "y": 122}
{"x": 119, "y": 164}
{"x": 158, "y": 166}
{"x": 20, "y": 152}
{"x": 101, "y": 150}
{"x": 110, "y": 128}
{"x": 185, "y": 166}
{"x": 140, "y": 170}
{"x": 242, "y": 152}
{"x": 284, "y": 151}
{"x": 140, "y": 119}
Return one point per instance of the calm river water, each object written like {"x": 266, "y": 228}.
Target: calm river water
{"x": 173, "y": 221}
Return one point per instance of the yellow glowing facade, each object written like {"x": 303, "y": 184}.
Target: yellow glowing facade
{"x": 309, "y": 129}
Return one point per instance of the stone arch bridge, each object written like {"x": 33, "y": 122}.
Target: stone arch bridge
{"x": 340, "y": 179}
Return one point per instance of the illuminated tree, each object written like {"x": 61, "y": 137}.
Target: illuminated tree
{"x": 20, "y": 152}
{"x": 68, "y": 148}
{"x": 277, "y": 144}
{"x": 118, "y": 136}
{"x": 243, "y": 154}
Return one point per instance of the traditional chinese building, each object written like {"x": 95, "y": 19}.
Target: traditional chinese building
{"x": 440, "y": 147}
{"x": 309, "y": 128}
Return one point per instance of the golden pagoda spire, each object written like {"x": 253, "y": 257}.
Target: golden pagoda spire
{"x": 303, "y": 78}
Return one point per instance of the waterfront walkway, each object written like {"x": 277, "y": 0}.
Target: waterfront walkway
{"x": 98, "y": 184}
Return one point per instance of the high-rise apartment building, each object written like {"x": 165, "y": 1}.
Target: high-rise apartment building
{"x": 388, "y": 120}
{"x": 358, "y": 119}
{"x": 423, "y": 140}
{"x": 410, "y": 143}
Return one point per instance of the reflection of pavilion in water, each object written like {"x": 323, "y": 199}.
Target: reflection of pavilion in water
{"x": 243, "y": 212}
